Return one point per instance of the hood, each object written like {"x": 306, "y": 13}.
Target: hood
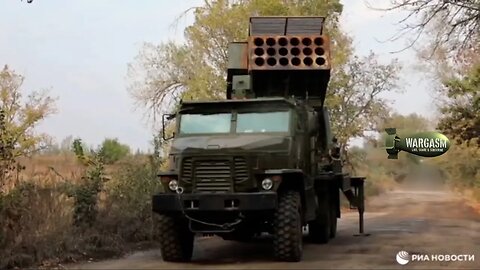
{"x": 232, "y": 143}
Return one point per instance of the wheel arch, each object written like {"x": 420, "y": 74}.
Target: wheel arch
{"x": 294, "y": 180}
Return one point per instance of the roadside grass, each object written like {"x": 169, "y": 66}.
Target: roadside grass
{"x": 37, "y": 213}
{"x": 461, "y": 166}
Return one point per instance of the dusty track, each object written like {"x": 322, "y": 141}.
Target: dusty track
{"x": 424, "y": 222}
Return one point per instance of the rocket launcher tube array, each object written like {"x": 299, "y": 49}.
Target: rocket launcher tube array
{"x": 289, "y": 52}
{"x": 283, "y": 56}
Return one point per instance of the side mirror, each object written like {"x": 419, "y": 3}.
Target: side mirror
{"x": 165, "y": 119}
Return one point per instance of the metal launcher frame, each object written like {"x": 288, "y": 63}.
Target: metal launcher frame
{"x": 283, "y": 57}
{"x": 288, "y": 57}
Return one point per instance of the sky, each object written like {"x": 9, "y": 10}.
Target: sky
{"x": 79, "y": 50}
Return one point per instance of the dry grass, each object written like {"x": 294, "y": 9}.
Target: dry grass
{"x": 50, "y": 170}
{"x": 36, "y": 221}
{"x": 36, "y": 215}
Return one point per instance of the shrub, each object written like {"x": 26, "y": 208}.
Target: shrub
{"x": 112, "y": 150}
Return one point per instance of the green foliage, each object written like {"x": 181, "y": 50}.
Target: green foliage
{"x": 86, "y": 193}
{"x": 161, "y": 74}
{"x": 462, "y": 165}
{"x": 405, "y": 123}
{"x": 461, "y": 113}
{"x": 353, "y": 97}
{"x": 18, "y": 119}
{"x": 80, "y": 218}
{"x": 461, "y": 122}
{"x": 371, "y": 160}
{"x": 21, "y": 116}
{"x": 372, "y": 163}
{"x": 112, "y": 150}
{"x": 130, "y": 191}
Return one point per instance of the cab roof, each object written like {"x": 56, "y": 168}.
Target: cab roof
{"x": 238, "y": 103}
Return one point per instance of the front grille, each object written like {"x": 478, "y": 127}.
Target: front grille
{"x": 241, "y": 169}
{"x": 214, "y": 175}
{"x": 186, "y": 173}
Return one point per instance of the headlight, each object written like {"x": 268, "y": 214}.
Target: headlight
{"x": 267, "y": 184}
{"x": 173, "y": 185}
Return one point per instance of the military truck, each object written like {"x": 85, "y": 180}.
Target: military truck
{"x": 262, "y": 161}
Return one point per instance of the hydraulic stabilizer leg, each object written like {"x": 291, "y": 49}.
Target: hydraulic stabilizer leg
{"x": 360, "y": 196}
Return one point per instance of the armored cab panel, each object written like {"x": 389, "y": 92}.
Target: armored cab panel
{"x": 237, "y": 56}
{"x": 237, "y": 66}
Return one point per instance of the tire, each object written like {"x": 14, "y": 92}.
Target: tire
{"x": 176, "y": 240}
{"x": 287, "y": 228}
{"x": 319, "y": 230}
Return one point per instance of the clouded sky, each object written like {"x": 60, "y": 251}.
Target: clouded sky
{"x": 80, "y": 50}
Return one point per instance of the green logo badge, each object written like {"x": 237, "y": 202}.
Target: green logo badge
{"x": 424, "y": 144}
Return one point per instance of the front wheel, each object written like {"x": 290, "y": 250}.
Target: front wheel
{"x": 287, "y": 228}
{"x": 176, "y": 240}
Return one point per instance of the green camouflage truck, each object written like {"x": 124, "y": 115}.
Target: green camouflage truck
{"x": 262, "y": 161}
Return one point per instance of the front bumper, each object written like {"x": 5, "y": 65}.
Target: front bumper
{"x": 255, "y": 201}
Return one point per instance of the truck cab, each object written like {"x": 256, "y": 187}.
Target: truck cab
{"x": 259, "y": 135}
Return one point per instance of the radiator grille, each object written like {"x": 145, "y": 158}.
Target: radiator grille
{"x": 241, "y": 169}
{"x": 186, "y": 173}
{"x": 214, "y": 174}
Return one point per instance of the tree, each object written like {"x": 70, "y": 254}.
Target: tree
{"x": 18, "y": 118}
{"x": 405, "y": 123}
{"x": 461, "y": 112}
{"x": 162, "y": 74}
{"x": 451, "y": 25}
{"x": 111, "y": 150}
{"x": 353, "y": 99}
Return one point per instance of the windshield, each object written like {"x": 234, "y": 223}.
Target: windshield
{"x": 205, "y": 123}
{"x": 246, "y": 122}
{"x": 263, "y": 122}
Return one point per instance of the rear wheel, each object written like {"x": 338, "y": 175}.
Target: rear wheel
{"x": 287, "y": 228}
{"x": 333, "y": 222}
{"x": 176, "y": 240}
{"x": 319, "y": 229}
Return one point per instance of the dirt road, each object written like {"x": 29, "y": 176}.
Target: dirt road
{"x": 419, "y": 222}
